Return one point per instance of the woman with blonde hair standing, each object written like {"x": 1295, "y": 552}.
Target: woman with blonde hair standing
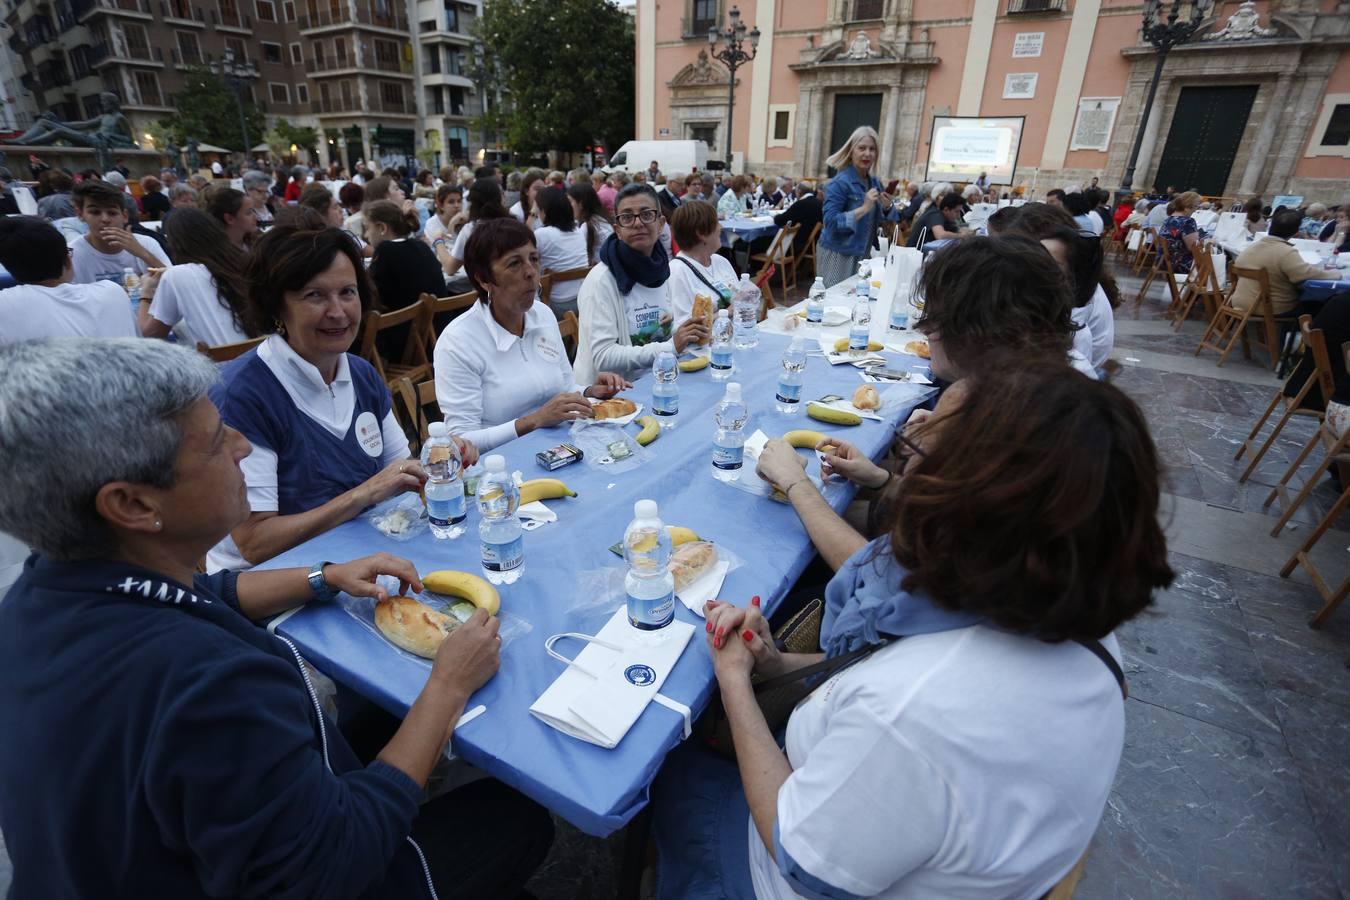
{"x": 855, "y": 206}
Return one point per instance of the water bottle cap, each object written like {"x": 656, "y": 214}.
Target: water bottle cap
{"x": 436, "y": 429}
{"x": 798, "y": 341}
{"x": 724, "y": 314}
{"x": 495, "y": 463}
{"x": 645, "y": 509}
{"x": 734, "y": 391}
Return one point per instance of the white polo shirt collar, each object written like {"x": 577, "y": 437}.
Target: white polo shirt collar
{"x": 330, "y": 405}
{"x": 504, "y": 340}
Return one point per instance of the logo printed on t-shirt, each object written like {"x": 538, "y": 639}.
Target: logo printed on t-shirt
{"x": 368, "y": 434}
{"x": 544, "y": 346}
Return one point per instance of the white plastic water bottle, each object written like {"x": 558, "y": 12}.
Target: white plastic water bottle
{"x": 131, "y": 283}
{"x": 899, "y": 320}
{"x": 445, "y": 483}
{"x": 499, "y": 534}
{"x": 665, "y": 391}
{"x": 746, "y": 302}
{"x": 789, "y": 396}
{"x": 862, "y": 284}
{"x": 728, "y": 441}
{"x": 815, "y": 302}
{"x": 721, "y": 361}
{"x": 861, "y": 329}
{"x": 649, "y": 585}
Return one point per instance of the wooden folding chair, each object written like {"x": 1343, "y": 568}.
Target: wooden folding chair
{"x": 767, "y": 300}
{"x": 1162, "y": 268}
{"x": 1302, "y": 557}
{"x": 227, "y": 352}
{"x": 777, "y": 257}
{"x": 1202, "y": 285}
{"x": 571, "y": 331}
{"x": 1322, "y": 377}
{"x": 413, "y": 362}
{"x": 439, "y": 305}
{"x": 1064, "y": 888}
{"x": 1335, "y": 451}
{"x": 809, "y": 248}
{"x": 410, "y": 408}
{"x": 1143, "y": 255}
{"x": 553, "y": 277}
{"x": 1230, "y": 323}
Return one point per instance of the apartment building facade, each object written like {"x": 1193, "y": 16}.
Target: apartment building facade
{"x": 376, "y": 86}
{"x": 1267, "y": 112}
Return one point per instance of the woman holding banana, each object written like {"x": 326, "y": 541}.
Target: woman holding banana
{"x": 501, "y": 368}
{"x": 325, "y": 444}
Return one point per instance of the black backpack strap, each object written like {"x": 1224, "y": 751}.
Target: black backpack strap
{"x": 699, "y": 276}
{"x": 1109, "y": 661}
{"x": 820, "y": 670}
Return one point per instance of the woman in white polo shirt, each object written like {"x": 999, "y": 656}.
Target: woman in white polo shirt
{"x": 205, "y": 289}
{"x": 969, "y": 736}
{"x": 562, "y": 246}
{"x": 501, "y": 368}
{"x": 325, "y": 442}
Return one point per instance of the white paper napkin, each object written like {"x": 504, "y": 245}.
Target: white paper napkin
{"x": 705, "y": 588}
{"x": 754, "y": 444}
{"x": 537, "y": 511}
{"x": 847, "y": 406}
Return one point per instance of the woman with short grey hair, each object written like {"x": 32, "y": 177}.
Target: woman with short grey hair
{"x": 138, "y": 698}
{"x": 258, "y": 186}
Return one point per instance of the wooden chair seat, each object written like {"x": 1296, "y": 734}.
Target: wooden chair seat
{"x": 227, "y": 352}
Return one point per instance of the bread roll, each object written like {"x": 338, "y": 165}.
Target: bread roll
{"x": 690, "y": 562}
{"x": 413, "y": 626}
{"x": 866, "y": 397}
{"x": 917, "y": 348}
{"x": 703, "y": 309}
{"x": 615, "y": 408}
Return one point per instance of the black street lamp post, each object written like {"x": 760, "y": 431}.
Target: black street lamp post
{"x": 237, "y": 74}
{"x": 480, "y": 65}
{"x": 733, "y": 57}
{"x": 1163, "y": 34}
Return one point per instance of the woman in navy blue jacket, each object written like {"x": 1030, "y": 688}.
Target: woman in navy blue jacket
{"x": 855, "y": 206}
{"x": 157, "y": 742}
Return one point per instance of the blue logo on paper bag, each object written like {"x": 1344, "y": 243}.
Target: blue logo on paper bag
{"x": 640, "y": 675}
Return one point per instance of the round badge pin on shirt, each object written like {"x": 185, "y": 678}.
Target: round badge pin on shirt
{"x": 368, "y": 434}
{"x": 543, "y": 345}
{"x": 640, "y": 675}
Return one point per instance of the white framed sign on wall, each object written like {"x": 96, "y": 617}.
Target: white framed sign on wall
{"x": 1096, "y": 118}
{"x": 1028, "y": 43}
{"x": 1019, "y": 85}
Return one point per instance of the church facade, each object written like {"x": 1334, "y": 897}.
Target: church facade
{"x": 1256, "y": 103}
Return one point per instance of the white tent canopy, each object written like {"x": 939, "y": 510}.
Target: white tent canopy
{"x": 211, "y": 148}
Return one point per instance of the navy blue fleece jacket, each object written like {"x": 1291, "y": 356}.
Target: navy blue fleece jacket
{"x": 158, "y": 744}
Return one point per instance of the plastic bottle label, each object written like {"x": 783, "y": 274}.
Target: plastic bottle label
{"x": 651, "y": 614}
{"x": 728, "y": 457}
{"x": 503, "y": 557}
{"x": 789, "y": 393}
{"x": 666, "y": 404}
{"x": 899, "y": 319}
{"x": 815, "y": 314}
{"x": 857, "y": 340}
{"x": 445, "y": 511}
{"x": 721, "y": 359}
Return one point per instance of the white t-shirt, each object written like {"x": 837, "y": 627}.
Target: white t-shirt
{"x": 461, "y": 241}
{"x": 486, "y": 377}
{"x": 1101, "y": 325}
{"x": 433, "y": 229}
{"x": 518, "y": 210}
{"x": 965, "y": 764}
{"x": 329, "y": 405}
{"x": 216, "y": 168}
{"x": 30, "y": 311}
{"x": 188, "y": 294}
{"x": 91, "y": 265}
{"x": 684, "y": 284}
{"x": 560, "y": 250}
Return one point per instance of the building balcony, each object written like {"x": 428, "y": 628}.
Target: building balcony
{"x": 183, "y": 60}
{"x": 404, "y": 106}
{"x": 132, "y": 9}
{"x": 1017, "y": 7}
{"x": 388, "y": 17}
{"x": 180, "y": 12}
{"x": 332, "y": 63}
{"x": 329, "y": 105}
{"x": 53, "y": 74}
{"x": 396, "y": 66}
{"x": 692, "y": 29}
{"x": 231, "y": 19}
{"x": 103, "y": 52}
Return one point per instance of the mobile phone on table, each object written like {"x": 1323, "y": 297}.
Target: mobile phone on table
{"x": 892, "y": 374}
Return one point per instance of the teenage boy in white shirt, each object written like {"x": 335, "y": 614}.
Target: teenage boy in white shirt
{"x": 45, "y": 303}
{"x": 109, "y": 248}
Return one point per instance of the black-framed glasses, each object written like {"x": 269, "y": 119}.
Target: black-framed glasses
{"x": 628, "y": 219}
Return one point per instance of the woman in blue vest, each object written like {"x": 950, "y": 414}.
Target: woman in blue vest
{"x": 855, "y": 206}
{"x": 326, "y": 445}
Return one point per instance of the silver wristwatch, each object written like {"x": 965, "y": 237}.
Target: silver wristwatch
{"x": 318, "y": 585}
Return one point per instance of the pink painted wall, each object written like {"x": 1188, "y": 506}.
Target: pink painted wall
{"x": 1328, "y": 166}
{"x": 1002, "y": 63}
{"x": 944, "y": 79}
{"x": 1106, "y": 76}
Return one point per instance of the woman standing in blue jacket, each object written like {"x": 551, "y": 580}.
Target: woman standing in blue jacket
{"x": 159, "y": 743}
{"x": 855, "y": 206}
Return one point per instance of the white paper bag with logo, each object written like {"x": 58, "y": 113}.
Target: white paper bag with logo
{"x": 608, "y": 685}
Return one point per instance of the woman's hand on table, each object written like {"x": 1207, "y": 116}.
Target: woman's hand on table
{"x": 693, "y": 332}
{"x": 469, "y": 656}
{"x": 728, "y": 624}
{"x": 398, "y": 477}
{"x": 358, "y": 576}
{"x": 468, "y": 453}
{"x": 607, "y": 384}
{"x": 559, "y": 408}
{"x": 780, "y": 465}
{"x": 844, "y": 459}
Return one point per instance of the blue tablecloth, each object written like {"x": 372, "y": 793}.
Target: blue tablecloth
{"x": 745, "y": 229}
{"x": 598, "y": 790}
{"x": 1317, "y": 289}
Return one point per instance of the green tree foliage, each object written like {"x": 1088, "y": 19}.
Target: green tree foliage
{"x": 569, "y": 67}
{"x": 284, "y": 134}
{"x": 207, "y": 112}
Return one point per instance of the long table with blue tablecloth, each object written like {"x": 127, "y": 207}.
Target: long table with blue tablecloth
{"x": 1317, "y": 290}
{"x": 595, "y": 789}
{"x": 747, "y": 228}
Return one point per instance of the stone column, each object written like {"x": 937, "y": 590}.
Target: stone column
{"x": 1144, "y": 165}
{"x": 887, "y": 148}
{"x": 366, "y": 150}
{"x": 1265, "y": 138}
{"x": 324, "y": 158}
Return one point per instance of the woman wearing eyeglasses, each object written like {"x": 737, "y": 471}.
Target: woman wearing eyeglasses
{"x": 626, "y": 311}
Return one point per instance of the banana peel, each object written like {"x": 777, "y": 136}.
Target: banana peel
{"x": 651, "y": 430}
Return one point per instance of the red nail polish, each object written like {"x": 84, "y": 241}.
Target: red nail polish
{"x": 748, "y": 635}
{"x": 708, "y": 627}
{"x": 754, "y": 601}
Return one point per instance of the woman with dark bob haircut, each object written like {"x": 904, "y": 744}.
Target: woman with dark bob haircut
{"x": 970, "y": 748}
{"x": 501, "y": 367}
{"x": 325, "y": 442}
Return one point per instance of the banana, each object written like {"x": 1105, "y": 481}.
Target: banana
{"x": 833, "y": 416}
{"x": 681, "y": 535}
{"x": 544, "y": 489}
{"x": 651, "y": 430}
{"x": 461, "y": 584}
{"x": 804, "y": 438}
{"x": 693, "y": 365}
{"x": 842, "y": 344}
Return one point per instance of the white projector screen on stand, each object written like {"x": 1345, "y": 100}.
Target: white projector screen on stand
{"x": 961, "y": 147}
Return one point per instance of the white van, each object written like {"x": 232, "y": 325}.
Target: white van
{"x": 671, "y": 156}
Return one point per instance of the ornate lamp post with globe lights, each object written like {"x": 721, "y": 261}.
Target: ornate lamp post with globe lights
{"x": 733, "y": 56}
{"x": 238, "y": 75}
{"x": 1164, "y": 31}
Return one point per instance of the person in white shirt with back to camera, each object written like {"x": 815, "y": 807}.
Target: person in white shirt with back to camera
{"x": 698, "y": 268}
{"x": 485, "y": 202}
{"x": 205, "y": 289}
{"x": 501, "y": 368}
{"x": 109, "y": 249}
{"x": 45, "y": 303}
{"x": 563, "y": 245}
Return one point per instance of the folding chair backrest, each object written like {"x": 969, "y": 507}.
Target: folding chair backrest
{"x": 545, "y": 289}
{"x": 570, "y": 330}
{"x": 227, "y": 352}
{"x": 1316, "y": 342}
{"x": 439, "y": 305}
{"x": 1262, "y": 280}
{"x": 809, "y": 248}
{"x": 414, "y": 352}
